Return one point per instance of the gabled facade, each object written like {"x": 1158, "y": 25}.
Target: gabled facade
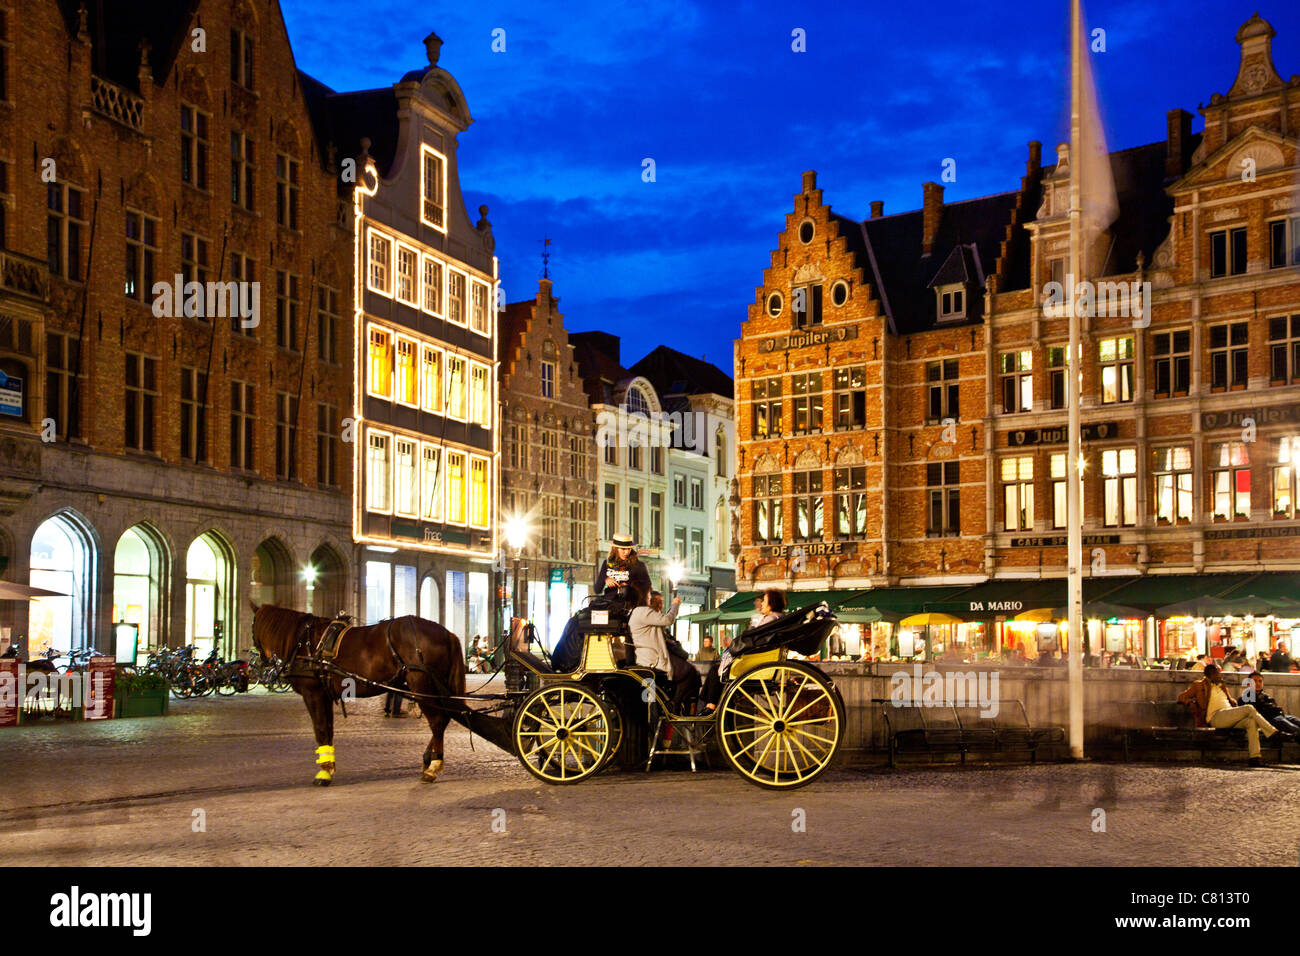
{"x": 425, "y": 455}
{"x": 548, "y": 461}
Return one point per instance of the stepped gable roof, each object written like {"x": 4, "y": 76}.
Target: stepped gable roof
{"x": 904, "y": 276}
{"x": 676, "y": 373}
{"x": 163, "y": 23}
{"x": 597, "y": 354}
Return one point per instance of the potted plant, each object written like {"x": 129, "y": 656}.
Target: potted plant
{"x": 141, "y": 695}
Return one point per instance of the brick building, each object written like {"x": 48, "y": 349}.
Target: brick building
{"x": 900, "y": 380}
{"x": 425, "y": 408}
{"x": 159, "y": 461}
{"x": 548, "y": 468}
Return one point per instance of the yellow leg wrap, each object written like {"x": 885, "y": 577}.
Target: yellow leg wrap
{"x": 325, "y": 757}
{"x": 431, "y": 772}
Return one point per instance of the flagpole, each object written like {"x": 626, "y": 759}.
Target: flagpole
{"x": 1074, "y": 510}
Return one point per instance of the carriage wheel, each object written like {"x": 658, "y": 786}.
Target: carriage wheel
{"x": 616, "y": 730}
{"x": 780, "y": 725}
{"x": 563, "y": 733}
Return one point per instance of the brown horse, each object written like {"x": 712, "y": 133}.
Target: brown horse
{"x": 409, "y": 652}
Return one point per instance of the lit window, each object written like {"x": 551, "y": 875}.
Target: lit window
{"x": 408, "y": 485}
{"x": 378, "y": 277}
{"x": 431, "y": 483}
{"x": 479, "y": 309}
{"x": 430, "y": 379}
{"x": 1017, "y": 382}
{"x": 381, "y": 364}
{"x": 456, "y": 387}
{"x": 406, "y": 377}
{"x": 479, "y": 396}
{"x": 1119, "y": 487}
{"x": 1230, "y": 481}
{"x": 1116, "y": 358}
{"x": 432, "y": 301}
{"x": 767, "y": 508}
{"x": 1060, "y": 503}
{"x": 431, "y": 187}
{"x": 455, "y": 487}
{"x": 455, "y": 297}
{"x": 1284, "y": 478}
{"x": 478, "y": 490}
{"x": 407, "y": 278}
{"x": 1172, "y": 470}
{"x": 1018, "y": 493}
{"x": 378, "y": 478}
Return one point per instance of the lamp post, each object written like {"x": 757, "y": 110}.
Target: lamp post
{"x": 675, "y": 571}
{"x": 516, "y": 538}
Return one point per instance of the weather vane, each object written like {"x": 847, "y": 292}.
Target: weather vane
{"x": 546, "y": 256}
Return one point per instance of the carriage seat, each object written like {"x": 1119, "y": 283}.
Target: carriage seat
{"x": 533, "y": 662}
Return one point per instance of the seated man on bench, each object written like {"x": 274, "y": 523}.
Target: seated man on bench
{"x": 648, "y": 625}
{"x": 1213, "y": 707}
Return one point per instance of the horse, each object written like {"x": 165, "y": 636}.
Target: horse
{"x": 409, "y": 652}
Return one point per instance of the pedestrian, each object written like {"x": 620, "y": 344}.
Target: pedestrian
{"x": 1268, "y": 707}
{"x": 1212, "y": 706}
{"x": 1281, "y": 662}
{"x": 707, "y": 651}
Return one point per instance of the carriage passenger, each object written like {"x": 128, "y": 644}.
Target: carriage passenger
{"x": 771, "y": 605}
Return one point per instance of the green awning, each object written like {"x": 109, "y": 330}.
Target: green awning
{"x": 1001, "y": 598}
{"x": 1158, "y": 590}
{"x": 701, "y": 617}
{"x": 1281, "y": 589}
{"x": 894, "y": 604}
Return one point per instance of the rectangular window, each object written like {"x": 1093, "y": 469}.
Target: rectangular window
{"x": 807, "y": 401}
{"x": 407, "y": 481}
{"x": 406, "y": 377}
{"x": 577, "y": 531}
{"x": 431, "y": 496}
{"x": 679, "y": 491}
{"x": 850, "y": 502}
{"x": 1230, "y": 481}
{"x": 952, "y": 303}
{"x": 456, "y": 297}
{"x": 379, "y": 476}
{"x": 576, "y": 468}
{"x": 65, "y": 222}
{"x": 517, "y": 453}
{"x": 141, "y": 393}
{"x": 455, "y": 487}
{"x": 808, "y": 505}
{"x": 480, "y": 400}
{"x": 241, "y": 59}
{"x": 327, "y": 446}
{"x": 242, "y": 170}
{"x": 286, "y": 310}
{"x": 431, "y": 187}
{"x": 1284, "y": 478}
{"x": 380, "y": 379}
{"x": 656, "y": 519}
{"x": 942, "y": 379}
{"x": 942, "y": 480}
{"x": 61, "y": 394}
{"x": 478, "y": 315}
{"x": 634, "y": 453}
{"x": 1284, "y": 349}
{"x": 194, "y": 415}
{"x": 768, "y": 524}
{"x": 679, "y": 544}
{"x": 1056, "y": 374}
{"x": 286, "y": 437}
{"x": 1171, "y": 469}
{"x": 1116, "y": 358}
{"x": 1284, "y": 243}
{"x": 767, "y": 407}
{"x": 550, "y": 453}
{"x": 242, "y": 270}
{"x": 548, "y": 379}
{"x": 408, "y": 279}
{"x": 850, "y": 397}
{"x": 611, "y": 510}
{"x": 432, "y": 299}
{"x": 806, "y": 306}
{"x": 430, "y": 379}
{"x": 1119, "y": 487}
{"x": 696, "y": 556}
{"x": 1018, "y": 493}
{"x": 243, "y": 416}
{"x": 1229, "y": 356}
{"x": 194, "y": 266}
{"x": 286, "y": 191}
{"x": 656, "y": 460}
{"x": 327, "y": 320}
{"x": 1060, "y": 502}
{"x": 194, "y": 147}
{"x": 1172, "y": 360}
{"x": 611, "y": 450}
{"x": 1017, "y": 381}
{"x": 697, "y": 494}
{"x": 379, "y": 273}
{"x": 1228, "y": 252}
{"x": 141, "y": 250}
{"x": 634, "y": 513}
{"x": 457, "y": 386}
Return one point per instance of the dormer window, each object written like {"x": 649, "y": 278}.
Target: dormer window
{"x": 952, "y": 302}
{"x": 432, "y": 187}
{"x": 806, "y": 306}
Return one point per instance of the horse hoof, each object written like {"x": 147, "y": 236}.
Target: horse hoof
{"x": 427, "y": 777}
{"x": 322, "y": 781}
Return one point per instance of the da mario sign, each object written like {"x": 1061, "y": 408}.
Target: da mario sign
{"x": 1008, "y": 606}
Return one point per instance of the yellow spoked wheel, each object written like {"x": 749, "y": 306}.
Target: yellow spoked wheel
{"x": 564, "y": 733}
{"x": 780, "y": 725}
{"x": 616, "y": 730}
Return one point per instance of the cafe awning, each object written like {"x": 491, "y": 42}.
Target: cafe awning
{"x": 894, "y": 604}
{"x": 1155, "y": 591}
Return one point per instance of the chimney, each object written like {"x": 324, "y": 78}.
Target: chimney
{"x": 1035, "y": 164}
{"x": 809, "y": 180}
{"x": 877, "y": 208}
{"x": 1179, "y": 125}
{"x": 931, "y": 213}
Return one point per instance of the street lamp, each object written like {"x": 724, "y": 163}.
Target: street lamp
{"x": 517, "y": 537}
{"x": 675, "y": 572}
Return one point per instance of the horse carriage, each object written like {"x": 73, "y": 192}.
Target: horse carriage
{"x": 779, "y": 721}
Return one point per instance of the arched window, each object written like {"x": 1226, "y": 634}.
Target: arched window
{"x": 636, "y": 401}
{"x": 63, "y": 560}
{"x": 720, "y": 452}
{"x": 326, "y": 582}
{"x": 209, "y": 594}
{"x": 272, "y": 574}
{"x": 720, "y": 531}
{"x": 139, "y": 568}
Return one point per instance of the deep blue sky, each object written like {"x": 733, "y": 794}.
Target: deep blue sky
{"x": 714, "y": 94}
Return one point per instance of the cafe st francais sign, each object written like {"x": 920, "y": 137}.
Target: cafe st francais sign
{"x": 801, "y": 340}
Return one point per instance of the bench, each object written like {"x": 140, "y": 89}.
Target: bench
{"x": 1169, "y": 725}
{"x": 947, "y": 729}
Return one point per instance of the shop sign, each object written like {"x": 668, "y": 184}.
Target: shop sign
{"x": 1236, "y": 418}
{"x": 812, "y": 549}
{"x": 10, "y": 697}
{"x": 1096, "y": 431}
{"x": 1282, "y": 531}
{"x": 557, "y": 575}
{"x": 99, "y": 688}
{"x": 11, "y": 395}
{"x": 1061, "y": 540}
{"x": 997, "y": 605}
{"x": 801, "y": 340}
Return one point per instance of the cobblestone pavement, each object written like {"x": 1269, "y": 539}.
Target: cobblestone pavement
{"x": 127, "y": 792}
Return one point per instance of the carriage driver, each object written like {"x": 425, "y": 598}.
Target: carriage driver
{"x": 622, "y": 574}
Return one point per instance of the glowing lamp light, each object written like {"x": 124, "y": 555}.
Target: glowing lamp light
{"x": 516, "y": 533}
{"x": 675, "y": 572}
{"x": 309, "y": 575}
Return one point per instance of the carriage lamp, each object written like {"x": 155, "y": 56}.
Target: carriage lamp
{"x": 675, "y": 571}
{"x": 309, "y": 575}
{"x": 517, "y": 533}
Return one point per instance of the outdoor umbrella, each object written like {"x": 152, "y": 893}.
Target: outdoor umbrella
{"x": 1038, "y": 615}
{"x": 23, "y": 592}
{"x": 929, "y": 619}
